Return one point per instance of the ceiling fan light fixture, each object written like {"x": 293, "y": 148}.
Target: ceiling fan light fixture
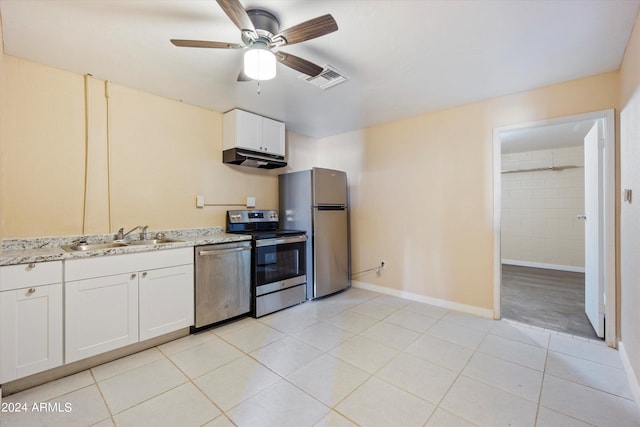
{"x": 259, "y": 62}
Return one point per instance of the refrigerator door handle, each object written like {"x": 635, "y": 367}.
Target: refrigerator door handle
{"x": 331, "y": 207}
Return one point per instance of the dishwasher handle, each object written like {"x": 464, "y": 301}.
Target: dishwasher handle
{"x": 223, "y": 251}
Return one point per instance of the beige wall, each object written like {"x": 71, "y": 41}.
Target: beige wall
{"x": 302, "y": 153}
{"x": 421, "y": 194}
{"x": 630, "y": 212}
{"x": 43, "y": 145}
{"x": 540, "y": 225}
{"x": 76, "y": 162}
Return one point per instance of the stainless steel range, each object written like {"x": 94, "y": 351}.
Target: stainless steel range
{"x": 278, "y": 267}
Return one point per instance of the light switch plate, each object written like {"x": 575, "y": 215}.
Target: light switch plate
{"x": 251, "y": 202}
{"x": 199, "y": 201}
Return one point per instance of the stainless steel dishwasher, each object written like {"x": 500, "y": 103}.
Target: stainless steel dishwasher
{"x": 223, "y": 282}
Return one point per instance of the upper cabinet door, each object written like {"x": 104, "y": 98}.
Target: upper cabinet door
{"x": 273, "y": 136}
{"x": 250, "y": 131}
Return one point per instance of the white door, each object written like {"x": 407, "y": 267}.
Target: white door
{"x": 273, "y": 136}
{"x": 248, "y": 130}
{"x": 594, "y": 230}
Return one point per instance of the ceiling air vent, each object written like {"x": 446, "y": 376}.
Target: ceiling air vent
{"x": 327, "y": 78}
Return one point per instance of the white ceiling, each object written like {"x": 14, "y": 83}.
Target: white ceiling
{"x": 402, "y": 57}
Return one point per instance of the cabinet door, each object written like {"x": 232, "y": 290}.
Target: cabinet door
{"x": 101, "y": 314}
{"x": 166, "y": 300}
{"x": 30, "y": 331}
{"x": 272, "y": 137}
{"x": 248, "y": 130}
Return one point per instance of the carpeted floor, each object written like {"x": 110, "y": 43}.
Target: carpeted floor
{"x": 549, "y": 299}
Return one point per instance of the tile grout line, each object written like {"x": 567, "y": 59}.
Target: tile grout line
{"x": 544, "y": 371}
{"x": 458, "y": 375}
{"x": 104, "y": 400}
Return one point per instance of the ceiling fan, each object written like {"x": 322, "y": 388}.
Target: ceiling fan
{"x": 261, "y": 34}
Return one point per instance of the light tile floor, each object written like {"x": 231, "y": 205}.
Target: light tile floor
{"x": 357, "y": 358}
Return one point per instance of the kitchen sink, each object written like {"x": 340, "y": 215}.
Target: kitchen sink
{"x": 92, "y": 246}
{"x": 153, "y": 241}
{"x": 79, "y": 247}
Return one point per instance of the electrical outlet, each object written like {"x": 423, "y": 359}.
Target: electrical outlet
{"x": 251, "y": 202}
{"x": 199, "y": 201}
{"x": 382, "y": 264}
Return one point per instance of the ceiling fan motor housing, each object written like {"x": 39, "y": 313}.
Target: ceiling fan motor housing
{"x": 266, "y": 24}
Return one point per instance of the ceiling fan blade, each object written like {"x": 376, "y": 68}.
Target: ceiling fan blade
{"x": 237, "y": 14}
{"x": 310, "y": 29}
{"x": 299, "y": 64}
{"x": 242, "y": 77}
{"x": 206, "y": 44}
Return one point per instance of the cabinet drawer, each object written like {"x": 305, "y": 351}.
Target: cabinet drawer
{"x": 30, "y": 275}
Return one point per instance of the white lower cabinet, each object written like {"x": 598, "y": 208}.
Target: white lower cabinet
{"x": 101, "y": 315}
{"x": 166, "y": 300}
{"x": 117, "y": 300}
{"x": 30, "y": 319}
{"x": 30, "y": 331}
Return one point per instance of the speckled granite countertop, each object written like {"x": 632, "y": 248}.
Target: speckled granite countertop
{"x": 41, "y": 249}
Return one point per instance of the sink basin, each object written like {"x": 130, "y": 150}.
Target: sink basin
{"x": 92, "y": 246}
{"x": 116, "y": 244}
{"x": 152, "y": 241}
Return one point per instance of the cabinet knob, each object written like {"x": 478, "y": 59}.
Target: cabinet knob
{"x": 31, "y": 266}
{"x": 133, "y": 275}
{"x": 144, "y": 274}
{"x": 31, "y": 291}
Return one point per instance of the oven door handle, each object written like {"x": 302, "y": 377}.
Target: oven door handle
{"x": 281, "y": 241}
{"x": 223, "y": 251}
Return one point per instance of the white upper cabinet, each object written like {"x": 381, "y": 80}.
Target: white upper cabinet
{"x": 273, "y": 136}
{"x": 253, "y": 132}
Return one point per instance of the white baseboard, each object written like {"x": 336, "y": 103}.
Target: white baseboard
{"x": 520, "y": 263}
{"x": 471, "y": 309}
{"x": 631, "y": 375}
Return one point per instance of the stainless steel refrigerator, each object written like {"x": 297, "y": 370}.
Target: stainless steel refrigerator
{"x": 316, "y": 201}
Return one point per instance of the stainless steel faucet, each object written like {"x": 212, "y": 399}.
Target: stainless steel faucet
{"x": 143, "y": 232}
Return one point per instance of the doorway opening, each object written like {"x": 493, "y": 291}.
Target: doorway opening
{"x": 553, "y": 263}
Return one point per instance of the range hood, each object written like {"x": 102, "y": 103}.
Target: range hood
{"x": 254, "y": 159}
